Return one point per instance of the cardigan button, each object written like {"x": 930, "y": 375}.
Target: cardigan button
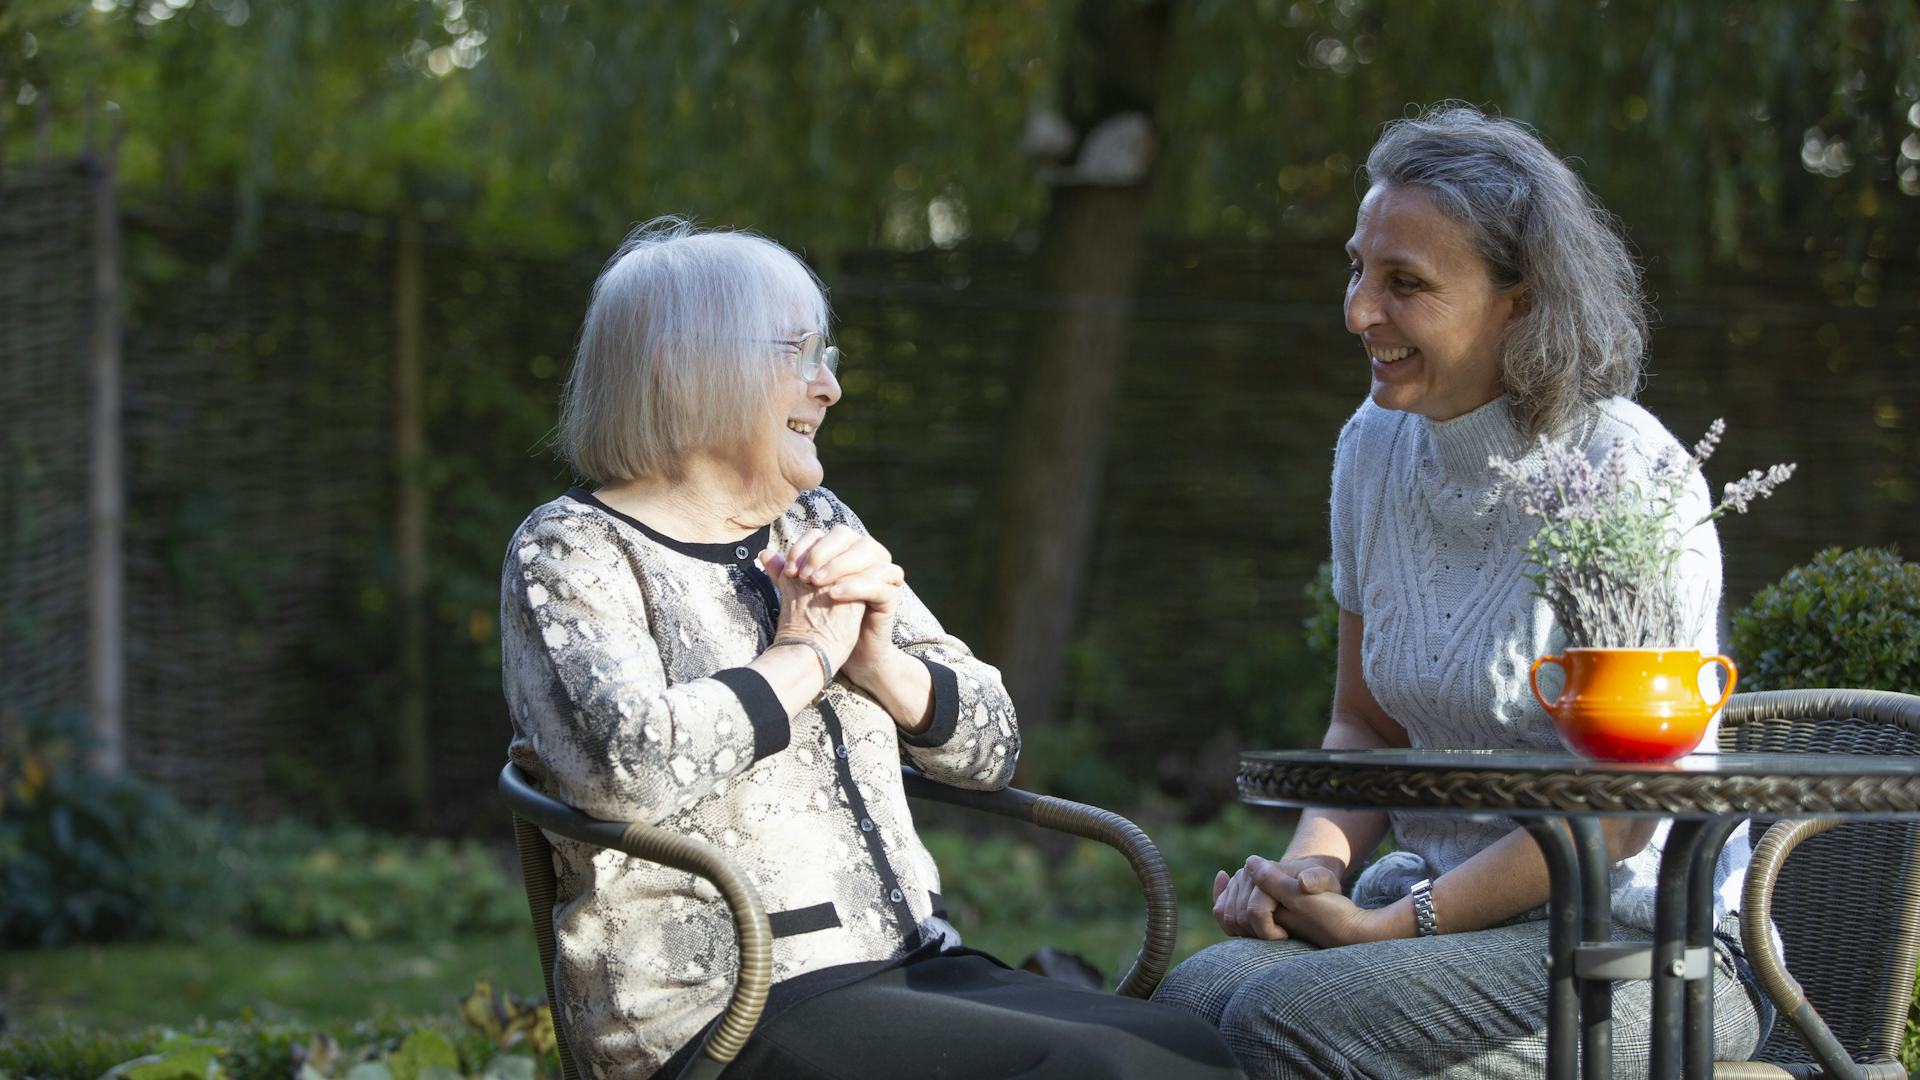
{"x": 740, "y": 552}
{"x": 895, "y": 896}
{"x": 866, "y": 824}
{"x": 840, "y": 751}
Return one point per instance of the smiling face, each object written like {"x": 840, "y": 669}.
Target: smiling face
{"x": 1427, "y": 312}
{"x": 783, "y": 453}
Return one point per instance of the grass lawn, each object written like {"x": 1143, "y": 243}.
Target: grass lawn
{"x": 124, "y": 987}
{"x": 333, "y": 983}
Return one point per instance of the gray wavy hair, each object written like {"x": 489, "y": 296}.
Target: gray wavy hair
{"x": 1582, "y": 336}
{"x": 676, "y": 351}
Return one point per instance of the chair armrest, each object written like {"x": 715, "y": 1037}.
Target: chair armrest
{"x": 1093, "y": 823}
{"x": 1764, "y": 1070}
{"x": 1756, "y": 935}
{"x": 642, "y": 841}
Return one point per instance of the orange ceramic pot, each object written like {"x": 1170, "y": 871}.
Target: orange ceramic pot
{"x": 1632, "y": 704}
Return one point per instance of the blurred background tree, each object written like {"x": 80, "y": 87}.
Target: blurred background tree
{"x": 940, "y": 155}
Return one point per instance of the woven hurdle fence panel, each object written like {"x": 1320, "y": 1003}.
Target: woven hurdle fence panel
{"x": 262, "y": 615}
{"x": 46, "y": 271}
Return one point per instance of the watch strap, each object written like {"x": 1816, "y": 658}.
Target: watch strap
{"x": 1424, "y": 922}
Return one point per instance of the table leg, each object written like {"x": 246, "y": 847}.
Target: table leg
{"x": 1596, "y": 995}
{"x": 1563, "y": 995}
{"x": 1700, "y": 929}
{"x": 1670, "y": 947}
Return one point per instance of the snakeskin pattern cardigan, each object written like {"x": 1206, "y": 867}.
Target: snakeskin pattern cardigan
{"x": 623, "y": 654}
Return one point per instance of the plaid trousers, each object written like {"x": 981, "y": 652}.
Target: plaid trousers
{"x": 1470, "y": 1005}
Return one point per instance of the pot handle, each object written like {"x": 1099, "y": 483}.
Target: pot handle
{"x": 1733, "y": 677}
{"x": 1533, "y": 676}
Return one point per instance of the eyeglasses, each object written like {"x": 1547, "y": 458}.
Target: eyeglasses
{"x": 811, "y": 353}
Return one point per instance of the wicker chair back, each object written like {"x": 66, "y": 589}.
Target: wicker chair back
{"x": 536, "y": 865}
{"x": 1845, "y": 904}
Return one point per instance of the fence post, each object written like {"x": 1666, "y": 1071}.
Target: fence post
{"x": 410, "y": 534}
{"x": 106, "y": 476}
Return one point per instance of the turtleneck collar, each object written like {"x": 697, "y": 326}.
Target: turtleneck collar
{"x": 1463, "y": 444}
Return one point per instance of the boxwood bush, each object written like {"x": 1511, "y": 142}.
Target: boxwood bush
{"x": 1846, "y": 619}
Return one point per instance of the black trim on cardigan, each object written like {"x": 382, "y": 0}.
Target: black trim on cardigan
{"x": 772, "y": 731}
{"x": 946, "y": 707}
{"x": 742, "y": 551}
{"x": 890, "y": 890}
{"x": 804, "y": 920}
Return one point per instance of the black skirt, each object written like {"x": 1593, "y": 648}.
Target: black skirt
{"x": 963, "y": 1015}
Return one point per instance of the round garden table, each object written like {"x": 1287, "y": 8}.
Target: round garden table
{"x": 1559, "y": 799}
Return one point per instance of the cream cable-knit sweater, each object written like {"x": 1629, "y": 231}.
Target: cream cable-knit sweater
{"x": 624, "y": 658}
{"x": 1429, "y": 553}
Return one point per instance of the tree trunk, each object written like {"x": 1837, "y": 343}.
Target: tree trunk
{"x": 410, "y": 533}
{"x": 1063, "y": 395}
{"x": 106, "y": 482}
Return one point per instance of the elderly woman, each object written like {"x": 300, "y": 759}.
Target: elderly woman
{"x": 1494, "y": 303}
{"x": 711, "y": 642}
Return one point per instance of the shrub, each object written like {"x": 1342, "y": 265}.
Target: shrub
{"x": 1282, "y": 680}
{"x": 1848, "y": 618}
{"x": 92, "y": 858}
{"x": 1010, "y": 878}
{"x": 304, "y": 882}
{"x": 87, "y": 857}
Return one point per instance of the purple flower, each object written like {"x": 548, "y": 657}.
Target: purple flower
{"x": 1756, "y": 485}
{"x": 1607, "y": 542}
{"x": 1703, "y": 449}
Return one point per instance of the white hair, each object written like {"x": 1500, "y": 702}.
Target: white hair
{"x": 1582, "y": 333}
{"x": 676, "y": 353}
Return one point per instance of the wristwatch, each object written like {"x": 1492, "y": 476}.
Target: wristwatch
{"x": 1423, "y": 920}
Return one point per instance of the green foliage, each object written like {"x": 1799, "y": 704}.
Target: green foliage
{"x": 350, "y": 883}
{"x": 88, "y": 857}
{"x": 1282, "y": 681}
{"x": 75, "y": 1053}
{"x": 1320, "y": 629}
{"x": 1000, "y": 879}
{"x": 423, "y": 1055}
{"x": 436, "y": 1048}
{"x": 555, "y": 124}
{"x": 328, "y": 983}
{"x": 1848, "y": 618}
{"x": 1068, "y": 759}
{"x": 179, "y": 1058}
{"x": 508, "y": 1019}
{"x": 1071, "y": 758}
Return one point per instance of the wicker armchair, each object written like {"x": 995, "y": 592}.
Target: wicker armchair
{"x": 1848, "y": 907}
{"x": 534, "y": 812}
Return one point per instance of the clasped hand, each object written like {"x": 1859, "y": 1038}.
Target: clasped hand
{"x": 1276, "y": 899}
{"x": 841, "y": 589}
